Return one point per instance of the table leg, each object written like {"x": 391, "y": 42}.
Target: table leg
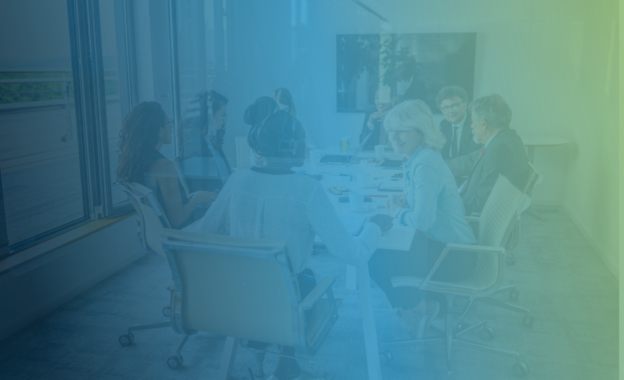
{"x": 368, "y": 321}
{"x": 228, "y": 358}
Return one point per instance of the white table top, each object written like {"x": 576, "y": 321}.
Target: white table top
{"x": 534, "y": 140}
{"x": 399, "y": 237}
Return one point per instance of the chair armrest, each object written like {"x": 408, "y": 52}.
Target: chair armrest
{"x": 453, "y": 247}
{"x": 316, "y": 293}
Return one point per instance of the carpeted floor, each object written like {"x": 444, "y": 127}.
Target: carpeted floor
{"x": 570, "y": 291}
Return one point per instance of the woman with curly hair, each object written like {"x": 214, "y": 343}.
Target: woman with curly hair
{"x": 146, "y": 128}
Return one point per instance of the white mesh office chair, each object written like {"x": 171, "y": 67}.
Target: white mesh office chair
{"x": 533, "y": 179}
{"x": 502, "y": 209}
{"x": 244, "y": 289}
{"x": 151, "y": 220}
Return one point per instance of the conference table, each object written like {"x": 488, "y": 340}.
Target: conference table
{"x": 397, "y": 238}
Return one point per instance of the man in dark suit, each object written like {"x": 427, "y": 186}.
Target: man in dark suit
{"x": 373, "y": 122}
{"x": 453, "y": 103}
{"x": 502, "y": 153}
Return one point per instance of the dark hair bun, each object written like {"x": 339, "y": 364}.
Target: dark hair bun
{"x": 280, "y": 138}
{"x": 262, "y": 108}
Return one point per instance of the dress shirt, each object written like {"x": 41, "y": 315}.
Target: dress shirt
{"x": 457, "y": 130}
{"x": 434, "y": 205}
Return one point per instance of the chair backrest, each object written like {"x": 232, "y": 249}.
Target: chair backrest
{"x": 236, "y": 287}
{"x": 152, "y": 219}
{"x": 502, "y": 208}
{"x": 498, "y": 218}
{"x": 243, "y": 151}
{"x": 533, "y": 179}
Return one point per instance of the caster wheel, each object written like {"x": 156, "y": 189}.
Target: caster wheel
{"x": 527, "y": 321}
{"x": 514, "y": 294}
{"x": 487, "y": 334}
{"x": 385, "y": 357}
{"x": 175, "y": 362}
{"x": 126, "y": 339}
{"x": 510, "y": 260}
{"x": 166, "y": 311}
{"x": 520, "y": 369}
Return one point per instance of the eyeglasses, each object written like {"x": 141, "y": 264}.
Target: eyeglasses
{"x": 401, "y": 133}
{"x": 453, "y": 107}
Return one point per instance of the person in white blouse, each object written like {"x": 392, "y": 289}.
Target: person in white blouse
{"x": 273, "y": 202}
{"x": 431, "y": 204}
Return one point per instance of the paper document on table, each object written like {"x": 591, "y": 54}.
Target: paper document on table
{"x": 391, "y": 184}
{"x": 398, "y": 238}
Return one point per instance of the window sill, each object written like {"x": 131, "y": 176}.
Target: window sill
{"x": 57, "y": 242}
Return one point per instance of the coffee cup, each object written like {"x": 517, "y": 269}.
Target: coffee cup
{"x": 356, "y": 201}
{"x": 379, "y": 151}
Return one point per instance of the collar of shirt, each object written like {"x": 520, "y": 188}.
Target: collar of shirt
{"x": 490, "y": 139}
{"x": 408, "y": 164}
{"x": 461, "y": 123}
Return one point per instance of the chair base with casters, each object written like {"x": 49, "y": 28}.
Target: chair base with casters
{"x": 456, "y": 334}
{"x": 496, "y": 222}
{"x": 150, "y": 222}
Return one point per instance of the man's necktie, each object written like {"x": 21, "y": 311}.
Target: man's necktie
{"x": 454, "y": 141}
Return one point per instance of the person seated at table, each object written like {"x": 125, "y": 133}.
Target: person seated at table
{"x": 146, "y": 128}
{"x": 285, "y": 101}
{"x": 429, "y": 203}
{"x": 453, "y": 102}
{"x": 503, "y": 153}
{"x": 255, "y": 114}
{"x": 212, "y": 119}
{"x": 373, "y": 121}
{"x": 273, "y": 202}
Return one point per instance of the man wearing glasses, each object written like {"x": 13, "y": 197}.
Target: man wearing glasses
{"x": 453, "y": 102}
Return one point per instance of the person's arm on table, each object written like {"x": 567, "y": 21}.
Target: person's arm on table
{"x": 427, "y": 187}
{"x": 326, "y": 224}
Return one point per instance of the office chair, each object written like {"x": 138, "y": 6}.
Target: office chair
{"x": 151, "y": 220}
{"x": 533, "y": 179}
{"x": 501, "y": 211}
{"x": 244, "y": 289}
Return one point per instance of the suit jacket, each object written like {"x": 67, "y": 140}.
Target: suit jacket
{"x": 505, "y": 155}
{"x": 466, "y": 145}
{"x": 374, "y": 139}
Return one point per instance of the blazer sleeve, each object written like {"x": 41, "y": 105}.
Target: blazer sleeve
{"x": 461, "y": 166}
{"x": 498, "y": 161}
{"x": 427, "y": 187}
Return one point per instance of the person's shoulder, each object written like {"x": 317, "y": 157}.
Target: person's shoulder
{"x": 163, "y": 164}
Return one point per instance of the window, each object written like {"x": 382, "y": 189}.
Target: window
{"x": 117, "y": 73}
{"x": 41, "y": 170}
{"x": 66, "y": 82}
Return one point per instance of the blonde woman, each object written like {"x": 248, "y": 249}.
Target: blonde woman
{"x": 431, "y": 204}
